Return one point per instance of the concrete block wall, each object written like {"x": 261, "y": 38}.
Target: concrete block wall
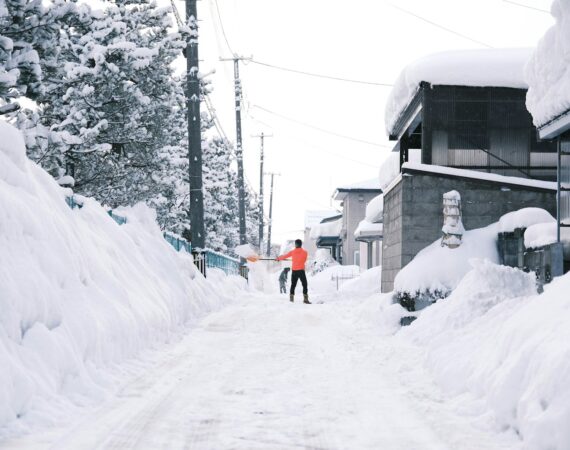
{"x": 413, "y": 210}
{"x": 392, "y": 241}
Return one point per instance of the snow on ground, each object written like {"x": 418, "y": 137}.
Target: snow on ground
{"x": 266, "y": 374}
{"x": 548, "y": 71}
{"x": 498, "y": 344}
{"x": 80, "y": 295}
{"x": 486, "y": 67}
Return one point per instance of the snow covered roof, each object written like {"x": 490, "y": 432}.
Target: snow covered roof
{"x": 548, "y": 71}
{"x": 486, "y": 67}
{"x": 373, "y": 184}
{"x": 474, "y": 174}
{"x": 375, "y": 209}
{"x": 327, "y": 229}
{"x": 367, "y": 229}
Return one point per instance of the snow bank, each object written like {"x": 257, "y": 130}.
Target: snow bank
{"x": 548, "y": 71}
{"x": 367, "y": 283}
{"x": 79, "y": 293}
{"x": 488, "y": 67}
{"x": 524, "y": 218}
{"x": 440, "y": 269}
{"x": 332, "y": 278}
{"x": 509, "y": 348}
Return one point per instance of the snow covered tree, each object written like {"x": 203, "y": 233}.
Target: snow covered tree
{"x": 25, "y": 25}
{"x": 110, "y": 109}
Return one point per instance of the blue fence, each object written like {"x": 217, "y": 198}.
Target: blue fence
{"x": 220, "y": 261}
{"x": 178, "y": 243}
{"x": 231, "y": 266}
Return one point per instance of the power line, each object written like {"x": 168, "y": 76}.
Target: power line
{"x": 222, "y": 27}
{"x": 318, "y": 75}
{"x": 319, "y": 148}
{"x": 449, "y": 30}
{"x": 322, "y": 130}
{"x": 527, "y": 6}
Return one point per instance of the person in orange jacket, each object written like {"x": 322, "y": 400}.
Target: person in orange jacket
{"x": 299, "y": 257}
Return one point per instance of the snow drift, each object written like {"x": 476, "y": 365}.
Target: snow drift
{"x": 497, "y": 340}
{"x": 79, "y": 293}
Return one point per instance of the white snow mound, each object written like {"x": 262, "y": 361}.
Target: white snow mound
{"x": 506, "y": 347}
{"x": 79, "y": 293}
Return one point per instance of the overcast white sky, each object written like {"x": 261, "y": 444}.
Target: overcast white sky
{"x": 360, "y": 39}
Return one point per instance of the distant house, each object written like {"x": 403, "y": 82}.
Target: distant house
{"x": 460, "y": 123}
{"x": 548, "y": 100}
{"x": 313, "y": 218}
{"x": 354, "y": 199}
{"x": 369, "y": 233}
{"x": 327, "y": 234}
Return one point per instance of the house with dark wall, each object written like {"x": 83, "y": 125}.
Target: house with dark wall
{"x": 548, "y": 100}
{"x": 354, "y": 199}
{"x": 463, "y": 117}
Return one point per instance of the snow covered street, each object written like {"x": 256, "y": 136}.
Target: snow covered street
{"x": 266, "y": 374}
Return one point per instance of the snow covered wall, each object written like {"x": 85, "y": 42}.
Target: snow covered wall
{"x": 548, "y": 71}
{"x": 79, "y": 293}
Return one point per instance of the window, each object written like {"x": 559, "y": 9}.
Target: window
{"x": 357, "y": 257}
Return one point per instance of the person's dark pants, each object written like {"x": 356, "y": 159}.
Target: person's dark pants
{"x": 282, "y": 287}
{"x": 299, "y": 275}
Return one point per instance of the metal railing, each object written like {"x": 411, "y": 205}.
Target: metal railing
{"x": 231, "y": 266}
{"x": 202, "y": 259}
{"x": 178, "y": 243}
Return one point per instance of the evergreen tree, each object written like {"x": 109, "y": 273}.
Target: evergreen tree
{"x": 110, "y": 109}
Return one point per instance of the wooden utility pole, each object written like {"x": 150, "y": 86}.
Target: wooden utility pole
{"x": 262, "y": 136}
{"x": 239, "y": 148}
{"x": 196, "y": 212}
{"x": 270, "y": 213}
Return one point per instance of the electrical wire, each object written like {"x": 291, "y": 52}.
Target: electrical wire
{"x": 322, "y": 130}
{"x": 527, "y": 6}
{"x": 222, "y": 27}
{"x": 311, "y": 74}
{"x": 449, "y": 30}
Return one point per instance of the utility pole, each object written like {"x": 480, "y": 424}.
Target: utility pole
{"x": 239, "y": 148}
{"x": 194, "y": 131}
{"x": 262, "y": 136}
{"x": 270, "y": 213}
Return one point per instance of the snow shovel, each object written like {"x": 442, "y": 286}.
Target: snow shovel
{"x": 245, "y": 251}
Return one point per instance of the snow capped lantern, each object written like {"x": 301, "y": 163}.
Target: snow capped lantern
{"x": 452, "y": 226}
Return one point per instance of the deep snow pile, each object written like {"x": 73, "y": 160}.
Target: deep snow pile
{"x": 548, "y": 71}
{"x": 79, "y": 293}
{"x": 505, "y": 346}
{"x": 438, "y": 269}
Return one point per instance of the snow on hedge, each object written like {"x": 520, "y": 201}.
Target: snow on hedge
{"x": 548, "y": 71}
{"x": 487, "y": 67}
{"x": 440, "y": 269}
{"x": 496, "y": 341}
{"x": 79, "y": 293}
{"x": 524, "y": 218}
